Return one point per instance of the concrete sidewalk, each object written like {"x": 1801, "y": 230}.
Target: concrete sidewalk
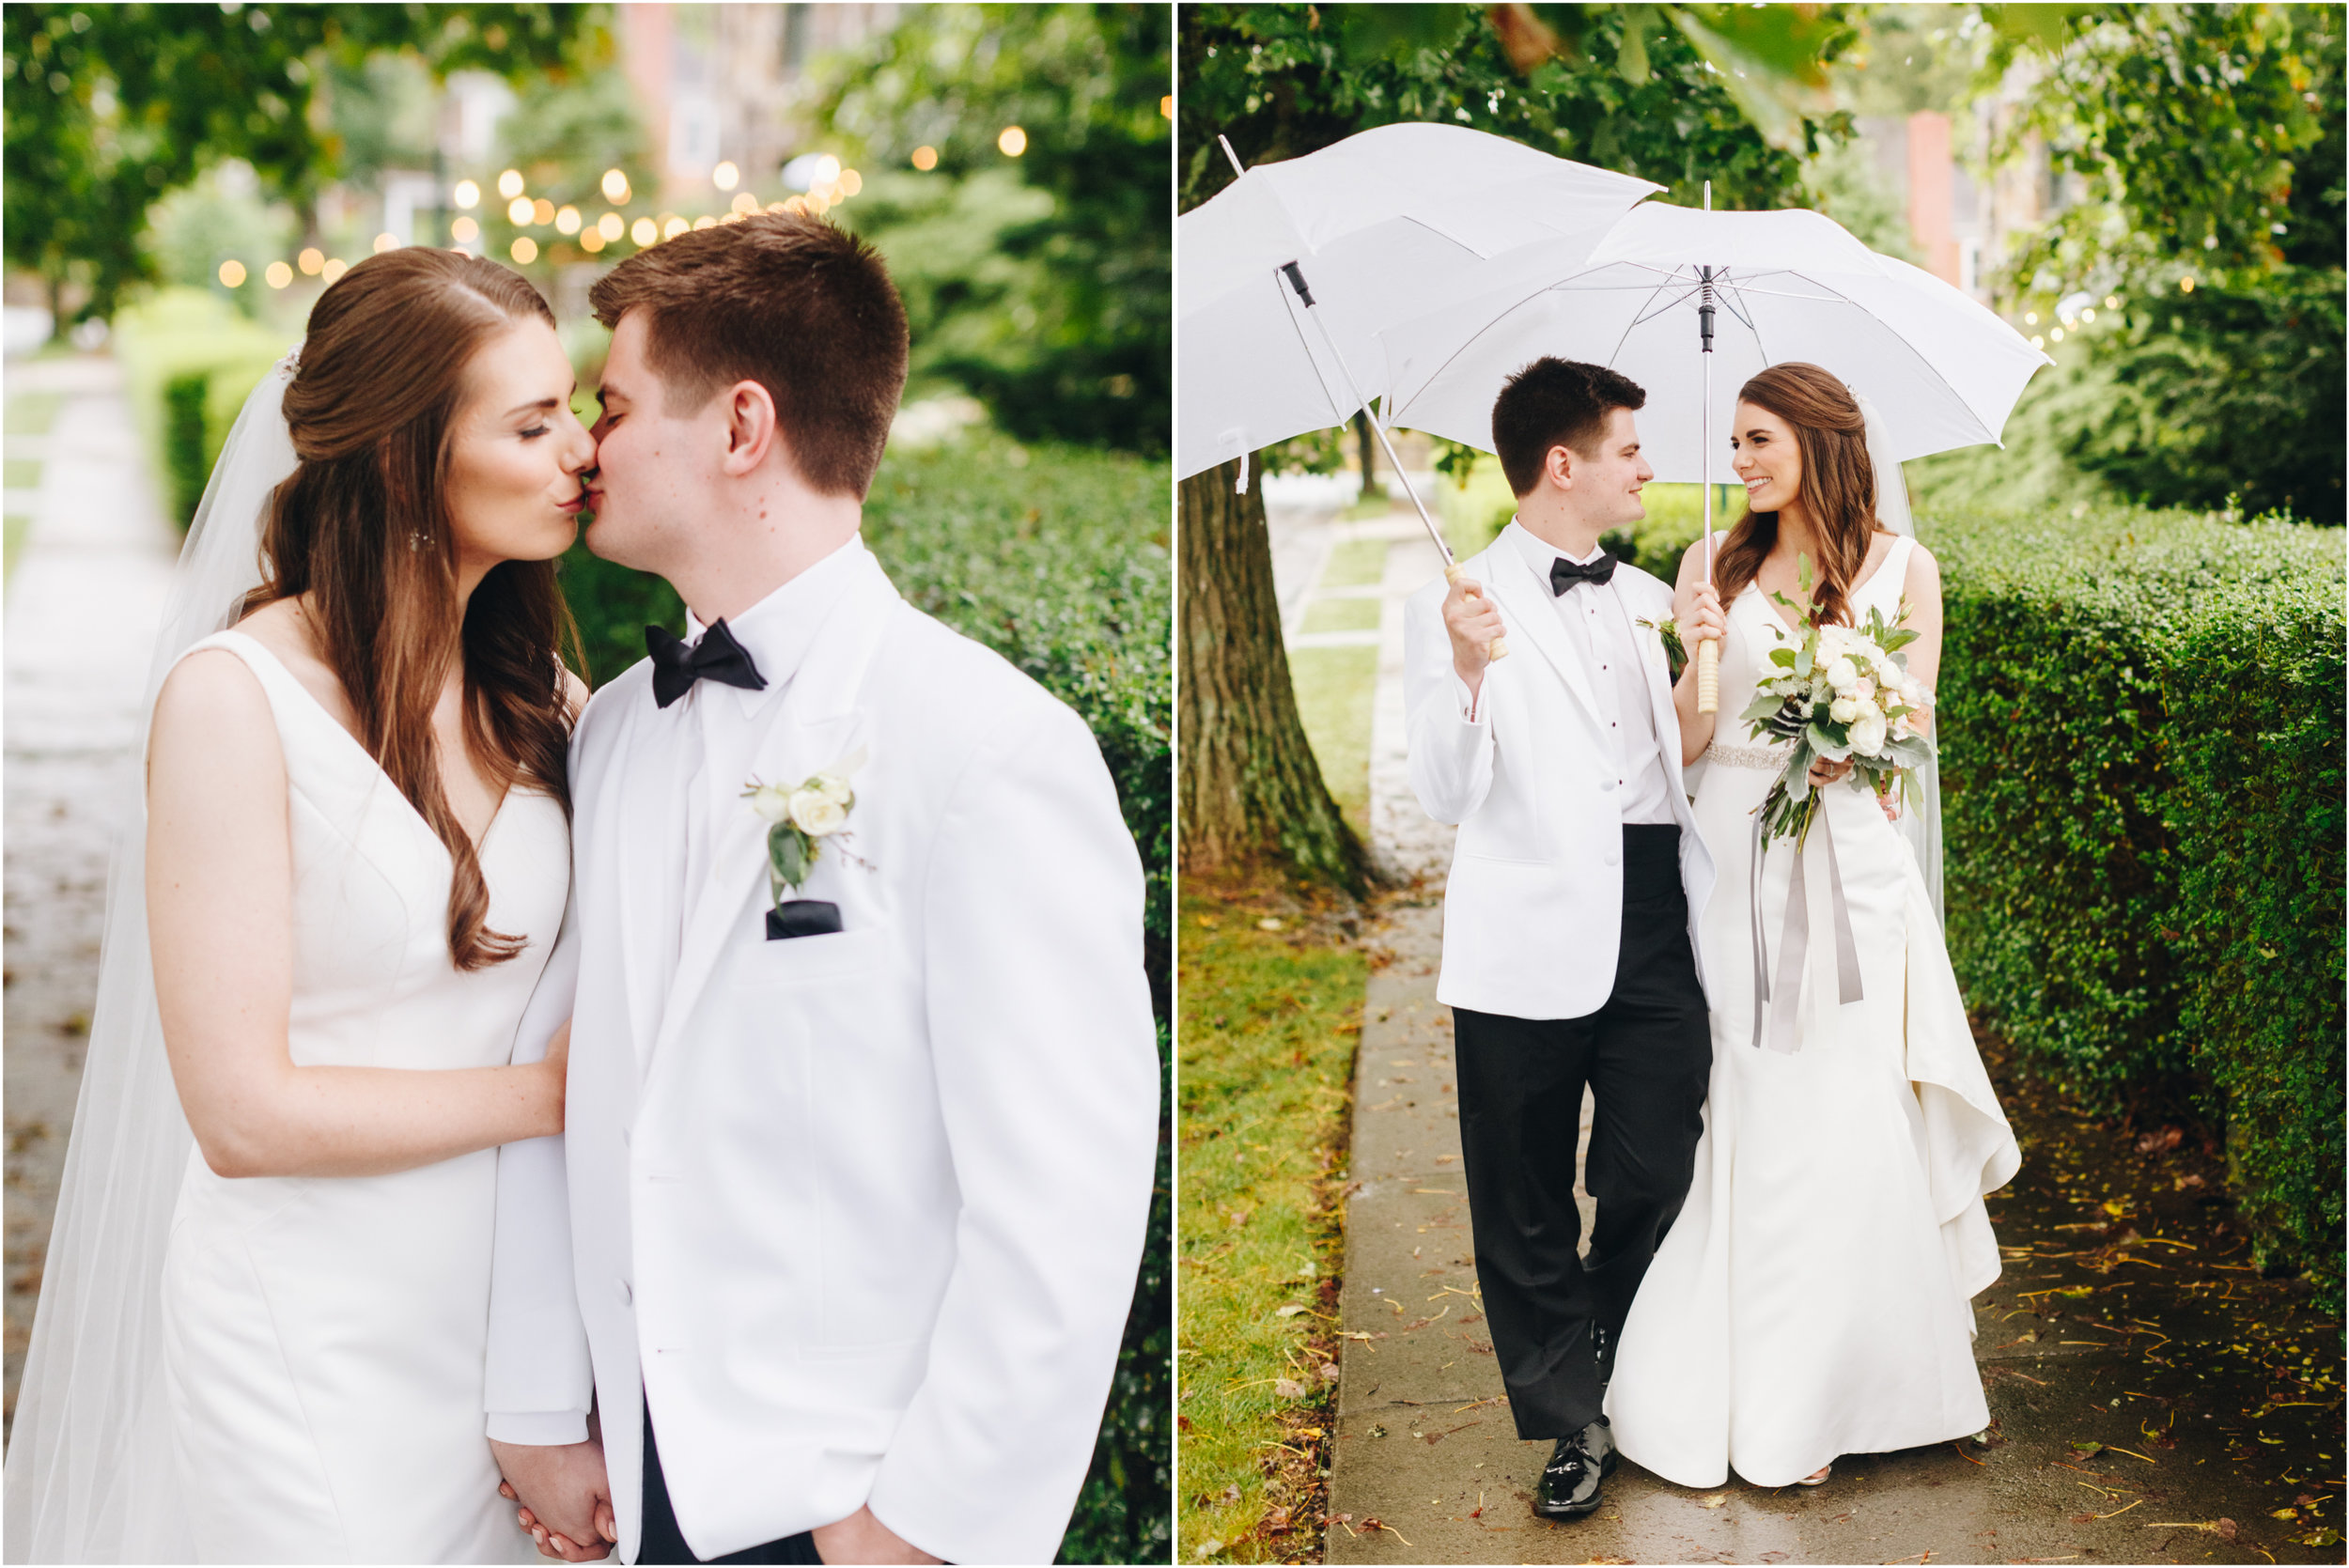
{"x": 1427, "y": 1467}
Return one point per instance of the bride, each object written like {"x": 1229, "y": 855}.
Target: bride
{"x": 1813, "y": 1297}
{"x": 261, "y": 1328}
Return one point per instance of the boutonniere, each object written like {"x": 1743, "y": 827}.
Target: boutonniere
{"x": 803, "y": 819}
{"x": 1675, "y": 656}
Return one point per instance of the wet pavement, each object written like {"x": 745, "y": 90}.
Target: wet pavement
{"x": 2153, "y": 1399}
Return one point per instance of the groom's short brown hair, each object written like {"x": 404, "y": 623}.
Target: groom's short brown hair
{"x": 788, "y": 301}
{"x": 1555, "y": 402}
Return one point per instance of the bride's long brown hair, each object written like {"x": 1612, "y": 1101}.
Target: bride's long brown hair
{"x": 363, "y": 528}
{"x": 1839, "y": 487}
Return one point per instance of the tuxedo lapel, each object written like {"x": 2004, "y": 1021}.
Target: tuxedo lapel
{"x": 816, "y": 722}
{"x": 1528, "y": 612}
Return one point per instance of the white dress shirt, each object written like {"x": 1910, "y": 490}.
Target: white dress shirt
{"x": 722, "y": 727}
{"x": 1600, "y": 629}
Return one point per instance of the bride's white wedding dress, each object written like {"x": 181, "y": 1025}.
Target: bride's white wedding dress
{"x": 1814, "y": 1296}
{"x": 323, "y": 1337}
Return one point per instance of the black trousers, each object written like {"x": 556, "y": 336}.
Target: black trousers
{"x": 662, "y": 1541}
{"x": 1646, "y": 1055}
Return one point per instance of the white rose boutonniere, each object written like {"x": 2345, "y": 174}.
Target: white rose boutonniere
{"x": 802, "y": 818}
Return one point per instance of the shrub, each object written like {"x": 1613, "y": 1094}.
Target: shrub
{"x": 189, "y": 361}
{"x": 2141, "y": 721}
{"x": 1056, "y": 557}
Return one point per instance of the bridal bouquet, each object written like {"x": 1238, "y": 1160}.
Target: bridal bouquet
{"x": 1843, "y": 694}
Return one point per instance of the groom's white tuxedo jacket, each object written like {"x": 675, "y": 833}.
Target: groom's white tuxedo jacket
{"x": 859, "y": 1213}
{"x": 1534, "y": 907}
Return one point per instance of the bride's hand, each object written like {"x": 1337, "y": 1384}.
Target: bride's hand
{"x": 1822, "y": 772}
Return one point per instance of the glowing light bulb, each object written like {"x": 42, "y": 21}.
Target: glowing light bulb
{"x": 232, "y": 273}
{"x": 518, "y": 211}
{"x": 643, "y": 231}
{"x": 464, "y": 231}
{"x": 311, "y": 261}
{"x": 611, "y": 225}
{"x": 566, "y": 220}
{"x": 467, "y": 194}
{"x": 387, "y": 241}
{"x": 725, "y": 175}
{"x": 525, "y": 249}
{"x": 510, "y": 183}
{"x": 591, "y": 241}
{"x": 333, "y": 269}
{"x": 279, "y": 274}
{"x": 1013, "y": 142}
{"x": 925, "y": 158}
{"x": 543, "y": 211}
{"x": 614, "y": 187}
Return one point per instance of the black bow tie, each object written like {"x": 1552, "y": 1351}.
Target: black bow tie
{"x": 677, "y": 664}
{"x": 1564, "y": 574}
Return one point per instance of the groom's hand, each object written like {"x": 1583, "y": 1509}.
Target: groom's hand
{"x": 862, "y": 1538}
{"x": 1474, "y": 626}
{"x": 565, "y": 1498}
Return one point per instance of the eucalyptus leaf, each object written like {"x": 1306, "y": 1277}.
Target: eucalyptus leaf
{"x": 790, "y": 853}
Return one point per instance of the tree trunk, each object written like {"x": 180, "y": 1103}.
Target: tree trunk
{"x": 1251, "y": 788}
{"x": 1369, "y": 445}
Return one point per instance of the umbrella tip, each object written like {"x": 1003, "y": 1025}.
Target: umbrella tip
{"x": 1708, "y": 191}
{"x": 1225, "y": 143}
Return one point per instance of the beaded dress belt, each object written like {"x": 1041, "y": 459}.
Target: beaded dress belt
{"x": 1768, "y": 758}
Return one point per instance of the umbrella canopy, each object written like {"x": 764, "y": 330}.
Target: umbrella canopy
{"x": 1944, "y": 371}
{"x": 1379, "y": 224}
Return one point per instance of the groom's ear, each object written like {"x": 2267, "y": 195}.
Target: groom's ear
{"x": 751, "y": 432}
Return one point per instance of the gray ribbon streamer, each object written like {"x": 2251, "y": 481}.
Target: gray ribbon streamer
{"x": 1774, "y": 1008}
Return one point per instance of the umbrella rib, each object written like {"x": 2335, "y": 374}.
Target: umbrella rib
{"x": 1956, "y": 396}
{"x": 1295, "y": 325}
{"x": 1617, "y": 349}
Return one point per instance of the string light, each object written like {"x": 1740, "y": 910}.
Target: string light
{"x": 566, "y": 220}
{"x": 518, "y": 211}
{"x": 510, "y": 183}
{"x": 464, "y": 231}
{"x": 643, "y": 231}
{"x": 334, "y": 269}
{"x": 925, "y": 158}
{"x": 1013, "y": 142}
{"x": 279, "y": 274}
{"x": 851, "y": 182}
{"x": 468, "y": 194}
{"x": 673, "y": 226}
{"x": 743, "y": 202}
{"x": 525, "y": 249}
{"x": 591, "y": 241}
{"x": 387, "y": 241}
{"x": 311, "y": 261}
{"x": 614, "y": 187}
{"x": 725, "y": 175}
{"x": 705, "y": 221}
{"x": 232, "y": 273}
{"x": 611, "y": 225}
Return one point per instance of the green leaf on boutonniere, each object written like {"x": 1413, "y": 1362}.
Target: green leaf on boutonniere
{"x": 790, "y": 853}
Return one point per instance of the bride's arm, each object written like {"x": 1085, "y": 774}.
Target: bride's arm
{"x": 220, "y": 922}
{"x": 1697, "y": 613}
{"x": 1921, "y": 588}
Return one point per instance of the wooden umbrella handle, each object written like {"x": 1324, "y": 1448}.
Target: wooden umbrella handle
{"x": 1708, "y": 677}
{"x": 1499, "y": 649}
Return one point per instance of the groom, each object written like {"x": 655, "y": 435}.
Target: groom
{"x": 1569, "y": 953}
{"x": 859, "y": 1151}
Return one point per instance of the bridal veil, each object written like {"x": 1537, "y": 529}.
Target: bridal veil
{"x": 90, "y": 1475}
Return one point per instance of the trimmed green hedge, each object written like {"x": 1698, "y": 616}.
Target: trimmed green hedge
{"x": 1056, "y": 557}
{"x": 2142, "y": 718}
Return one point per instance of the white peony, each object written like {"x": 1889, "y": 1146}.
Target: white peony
{"x": 1899, "y": 728}
{"x": 1843, "y": 710}
{"x": 1841, "y": 675}
{"x": 1867, "y": 733}
{"x": 816, "y": 813}
{"x": 772, "y": 803}
{"x": 1864, "y": 689}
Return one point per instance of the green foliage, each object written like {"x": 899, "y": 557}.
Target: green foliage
{"x": 188, "y": 360}
{"x": 109, "y": 107}
{"x": 1089, "y": 355}
{"x": 2141, "y": 741}
{"x": 2188, "y": 124}
{"x": 1611, "y": 89}
{"x": 1055, "y": 557}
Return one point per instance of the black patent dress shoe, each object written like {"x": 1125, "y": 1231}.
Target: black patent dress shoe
{"x": 1570, "y": 1481}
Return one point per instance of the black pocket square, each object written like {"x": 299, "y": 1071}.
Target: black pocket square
{"x": 803, "y": 917}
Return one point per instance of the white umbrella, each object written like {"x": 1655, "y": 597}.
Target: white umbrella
{"x": 1377, "y": 226}
{"x": 1671, "y": 289}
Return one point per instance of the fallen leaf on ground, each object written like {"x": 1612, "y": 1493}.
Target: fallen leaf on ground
{"x": 1714, "y": 1501}
{"x": 1288, "y": 1387}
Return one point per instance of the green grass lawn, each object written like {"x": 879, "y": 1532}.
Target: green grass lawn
{"x": 28, "y": 413}
{"x": 1356, "y": 564}
{"x": 1269, "y": 1023}
{"x": 1336, "y": 690}
{"x": 1341, "y": 614}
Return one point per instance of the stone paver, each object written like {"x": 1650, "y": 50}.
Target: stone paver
{"x": 82, "y": 615}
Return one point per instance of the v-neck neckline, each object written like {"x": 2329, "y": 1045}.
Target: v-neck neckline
{"x": 1792, "y": 629}
{"x": 367, "y": 757}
